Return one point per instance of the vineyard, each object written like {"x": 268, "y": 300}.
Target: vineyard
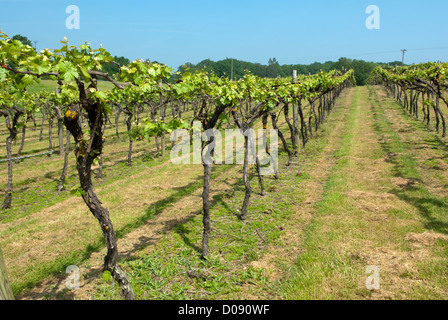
{"x": 358, "y": 178}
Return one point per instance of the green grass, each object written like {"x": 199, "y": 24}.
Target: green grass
{"x": 173, "y": 268}
{"x": 432, "y": 209}
{"x": 330, "y": 267}
{"x": 319, "y": 261}
{"x": 234, "y": 244}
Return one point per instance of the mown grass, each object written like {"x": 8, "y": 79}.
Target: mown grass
{"x": 340, "y": 241}
{"x": 432, "y": 209}
{"x": 317, "y": 265}
{"x": 173, "y": 268}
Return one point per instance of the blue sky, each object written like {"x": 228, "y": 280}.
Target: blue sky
{"x": 292, "y": 31}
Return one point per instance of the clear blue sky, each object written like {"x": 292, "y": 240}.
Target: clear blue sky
{"x": 293, "y": 31}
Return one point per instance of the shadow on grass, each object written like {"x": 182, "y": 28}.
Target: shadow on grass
{"x": 178, "y": 225}
{"x": 430, "y": 207}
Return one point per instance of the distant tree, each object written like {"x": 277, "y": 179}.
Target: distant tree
{"x": 112, "y": 68}
{"x": 23, "y": 39}
{"x": 221, "y": 68}
{"x": 186, "y": 66}
{"x": 273, "y": 68}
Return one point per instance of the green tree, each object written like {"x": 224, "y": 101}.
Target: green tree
{"x": 112, "y": 68}
{"x": 23, "y": 39}
{"x": 273, "y": 68}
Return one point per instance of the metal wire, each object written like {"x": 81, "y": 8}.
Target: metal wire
{"x": 26, "y": 157}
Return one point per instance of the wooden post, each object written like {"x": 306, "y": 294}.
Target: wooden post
{"x": 295, "y": 117}
{"x": 402, "y": 59}
{"x": 5, "y": 288}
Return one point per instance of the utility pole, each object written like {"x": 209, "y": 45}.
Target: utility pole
{"x": 35, "y": 45}
{"x": 231, "y": 71}
{"x": 402, "y": 60}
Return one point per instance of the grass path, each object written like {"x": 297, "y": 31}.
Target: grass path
{"x": 373, "y": 214}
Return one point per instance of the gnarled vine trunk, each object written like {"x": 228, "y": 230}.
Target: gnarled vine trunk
{"x": 86, "y": 152}
{"x": 11, "y": 124}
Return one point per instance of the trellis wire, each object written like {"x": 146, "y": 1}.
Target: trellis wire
{"x": 25, "y": 157}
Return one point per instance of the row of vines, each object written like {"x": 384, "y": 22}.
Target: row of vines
{"x": 419, "y": 87}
